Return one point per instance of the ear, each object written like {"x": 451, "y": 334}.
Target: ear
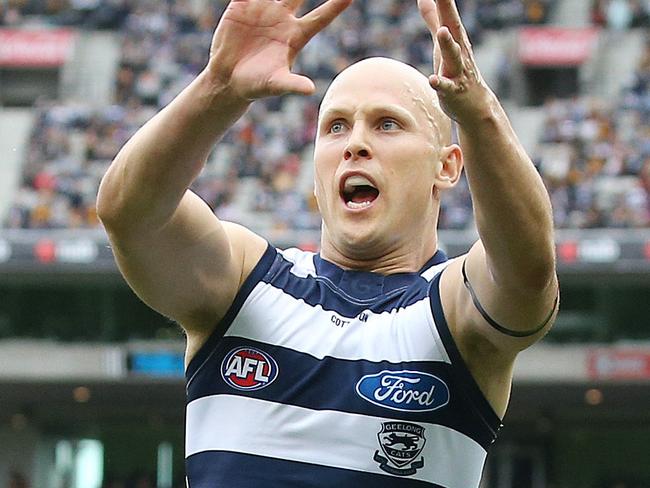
{"x": 450, "y": 167}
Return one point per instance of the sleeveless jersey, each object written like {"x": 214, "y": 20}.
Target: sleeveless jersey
{"x": 320, "y": 377}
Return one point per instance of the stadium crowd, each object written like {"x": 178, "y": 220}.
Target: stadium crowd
{"x": 594, "y": 155}
{"x": 594, "y": 159}
{"x": 111, "y": 14}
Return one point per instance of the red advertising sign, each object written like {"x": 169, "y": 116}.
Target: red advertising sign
{"x": 556, "y": 46}
{"x": 618, "y": 364}
{"x": 35, "y": 48}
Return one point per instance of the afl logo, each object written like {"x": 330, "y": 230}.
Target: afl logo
{"x": 248, "y": 369}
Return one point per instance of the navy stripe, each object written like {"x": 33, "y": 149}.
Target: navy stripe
{"x": 465, "y": 380}
{"x": 254, "y": 277}
{"x": 221, "y": 469}
{"x": 330, "y": 384}
{"x": 349, "y": 293}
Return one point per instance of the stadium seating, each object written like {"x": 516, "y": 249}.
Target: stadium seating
{"x": 64, "y": 308}
{"x": 595, "y": 158}
{"x": 263, "y": 166}
{"x": 592, "y": 183}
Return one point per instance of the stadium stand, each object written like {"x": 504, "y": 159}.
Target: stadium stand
{"x": 263, "y": 165}
{"x": 81, "y": 358}
{"x": 260, "y": 174}
{"x": 595, "y": 158}
{"x": 14, "y": 127}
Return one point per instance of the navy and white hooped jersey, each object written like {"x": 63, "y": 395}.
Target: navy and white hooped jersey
{"x": 320, "y": 377}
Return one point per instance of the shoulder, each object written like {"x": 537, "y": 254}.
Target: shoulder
{"x": 246, "y": 246}
{"x": 248, "y": 253}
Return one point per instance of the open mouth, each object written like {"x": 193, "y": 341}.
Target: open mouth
{"x": 358, "y": 192}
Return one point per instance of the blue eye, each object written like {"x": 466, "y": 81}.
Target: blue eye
{"x": 337, "y": 127}
{"x": 389, "y": 124}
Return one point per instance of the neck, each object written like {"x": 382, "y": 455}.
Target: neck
{"x": 405, "y": 258}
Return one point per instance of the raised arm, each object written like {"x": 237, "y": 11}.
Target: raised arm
{"x": 505, "y": 299}
{"x": 176, "y": 255}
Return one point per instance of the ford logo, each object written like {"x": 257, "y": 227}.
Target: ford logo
{"x": 407, "y": 391}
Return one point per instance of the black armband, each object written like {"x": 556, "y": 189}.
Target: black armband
{"x": 494, "y": 324}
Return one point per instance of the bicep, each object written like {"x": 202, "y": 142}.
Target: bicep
{"x": 191, "y": 268}
{"x": 501, "y": 316}
{"x": 489, "y": 353}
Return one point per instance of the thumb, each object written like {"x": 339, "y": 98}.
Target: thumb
{"x": 292, "y": 83}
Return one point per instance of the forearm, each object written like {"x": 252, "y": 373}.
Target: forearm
{"x": 148, "y": 178}
{"x": 511, "y": 205}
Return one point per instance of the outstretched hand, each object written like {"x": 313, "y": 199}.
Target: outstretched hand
{"x": 257, "y": 41}
{"x": 461, "y": 89}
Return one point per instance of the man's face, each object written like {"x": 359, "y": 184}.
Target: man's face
{"x": 377, "y": 157}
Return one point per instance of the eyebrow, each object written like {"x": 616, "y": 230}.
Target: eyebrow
{"x": 397, "y": 110}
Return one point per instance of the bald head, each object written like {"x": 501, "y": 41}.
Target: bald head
{"x": 376, "y": 75}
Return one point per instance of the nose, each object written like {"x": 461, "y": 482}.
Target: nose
{"x": 357, "y": 146}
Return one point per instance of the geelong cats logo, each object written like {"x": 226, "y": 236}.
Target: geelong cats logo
{"x": 247, "y": 369}
{"x": 401, "y": 443}
{"x": 407, "y": 391}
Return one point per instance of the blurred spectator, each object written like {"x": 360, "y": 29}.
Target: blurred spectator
{"x": 621, "y": 14}
{"x": 495, "y": 14}
{"x": 92, "y": 14}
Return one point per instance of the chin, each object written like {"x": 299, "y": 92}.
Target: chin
{"x": 361, "y": 238}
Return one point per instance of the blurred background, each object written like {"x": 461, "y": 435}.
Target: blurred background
{"x": 91, "y": 380}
